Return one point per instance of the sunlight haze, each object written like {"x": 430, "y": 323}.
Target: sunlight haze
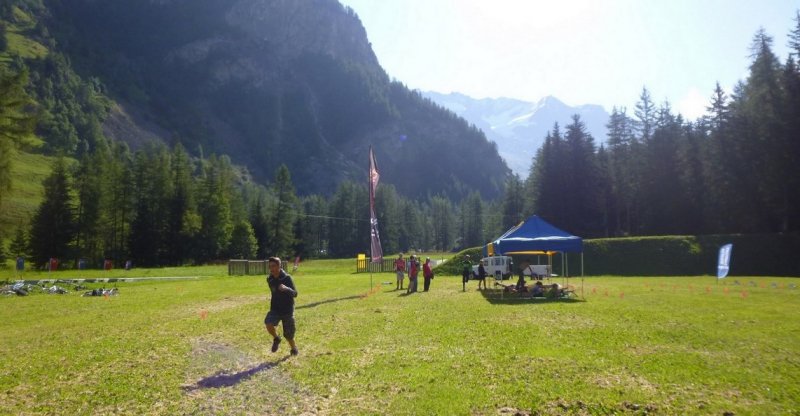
{"x": 582, "y": 52}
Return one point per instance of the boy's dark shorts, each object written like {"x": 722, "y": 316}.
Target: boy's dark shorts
{"x": 273, "y": 318}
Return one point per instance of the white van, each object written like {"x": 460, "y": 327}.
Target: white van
{"x": 501, "y": 267}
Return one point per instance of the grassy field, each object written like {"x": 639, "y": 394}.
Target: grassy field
{"x": 631, "y": 346}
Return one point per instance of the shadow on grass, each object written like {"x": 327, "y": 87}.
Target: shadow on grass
{"x": 498, "y": 297}
{"x": 227, "y": 380}
{"x": 322, "y": 302}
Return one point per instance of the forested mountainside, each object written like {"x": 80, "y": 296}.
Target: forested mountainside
{"x": 265, "y": 82}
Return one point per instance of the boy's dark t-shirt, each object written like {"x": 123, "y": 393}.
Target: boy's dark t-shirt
{"x": 282, "y": 302}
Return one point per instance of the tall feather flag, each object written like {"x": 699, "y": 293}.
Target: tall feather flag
{"x": 724, "y": 260}
{"x": 375, "y": 239}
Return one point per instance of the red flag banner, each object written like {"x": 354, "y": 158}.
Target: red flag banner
{"x": 375, "y": 239}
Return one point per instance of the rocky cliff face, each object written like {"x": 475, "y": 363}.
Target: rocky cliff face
{"x": 271, "y": 82}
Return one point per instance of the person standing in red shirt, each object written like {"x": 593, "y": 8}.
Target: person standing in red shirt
{"x": 400, "y": 268}
{"x": 413, "y": 270}
{"x": 427, "y": 273}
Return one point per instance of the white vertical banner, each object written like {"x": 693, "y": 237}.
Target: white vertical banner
{"x": 724, "y": 261}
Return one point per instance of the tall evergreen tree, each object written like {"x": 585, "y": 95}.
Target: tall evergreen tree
{"x": 53, "y": 225}
{"x": 443, "y": 223}
{"x": 794, "y": 36}
{"x": 581, "y": 196}
{"x": 153, "y": 186}
{"x": 283, "y": 215}
{"x": 472, "y": 232}
{"x": 315, "y": 227}
{"x": 258, "y": 220}
{"x": 791, "y": 139}
{"x": 387, "y": 208}
{"x": 213, "y": 205}
{"x": 546, "y": 183}
{"x": 183, "y": 221}
{"x": 343, "y": 222}
{"x": 763, "y": 141}
{"x": 645, "y": 114}
{"x": 622, "y": 172}
{"x": 19, "y": 245}
{"x": 661, "y": 185}
{"x": 118, "y": 188}
{"x": 513, "y": 203}
{"x": 88, "y": 184}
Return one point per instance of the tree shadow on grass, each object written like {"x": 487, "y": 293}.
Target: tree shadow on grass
{"x": 322, "y": 302}
{"x": 227, "y": 380}
{"x": 498, "y": 297}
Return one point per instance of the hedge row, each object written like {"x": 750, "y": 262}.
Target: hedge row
{"x": 753, "y": 255}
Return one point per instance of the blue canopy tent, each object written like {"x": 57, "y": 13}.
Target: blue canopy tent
{"x": 536, "y": 236}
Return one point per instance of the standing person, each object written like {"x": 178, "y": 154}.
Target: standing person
{"x": 466, "y": 270}
{"x": 481, "y": 275}
{"x": 281, "y": 305}
{"x": 427, "y": 273}
{"x": 413, "y": 270}
{"x": 400, "y": 268}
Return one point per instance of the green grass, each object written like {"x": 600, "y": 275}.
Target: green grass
{"x": 27, "y": 191}
{"x": 678, "y": 345}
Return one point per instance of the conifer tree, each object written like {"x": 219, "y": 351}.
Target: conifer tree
{"x": 621, "y": 172}
{"x": 472, "y": 232}
{"x": 761, "y": 140}
{"x": 183, "y": 221}
{"x": 343, "y": 222}
{"x": 513, "y": 203}
{"x": 53, "y": 225}
{"x": 387, "y": 209}
{"x": 19, "y": 245}
{"x": 258, "y": 220}
{"x": 794, "y": 36}
{"x": 443, "y": 223}
{"x": 283, "y": 215}
{"x": 214, "y": 208}
{"x": 645, "y": 114}
{"x": 315, "y": 227}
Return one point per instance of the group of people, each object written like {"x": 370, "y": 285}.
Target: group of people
{"x": 413, "y": 267}
{"x": 537, "y": 289}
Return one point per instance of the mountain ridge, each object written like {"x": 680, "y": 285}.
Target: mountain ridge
{"x": 519, "y": 127}
{"x": 271, "y": 82}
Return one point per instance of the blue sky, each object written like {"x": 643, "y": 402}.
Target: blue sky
{"x": 580, "y": 51}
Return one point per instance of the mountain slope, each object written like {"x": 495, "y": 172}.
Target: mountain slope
{"x": 271, "y": 82}
{"x": 519, "y": 127}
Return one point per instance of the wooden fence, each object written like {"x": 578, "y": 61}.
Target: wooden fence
{"x": 364, "y": 265}
{"x": 250, "y": 267}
